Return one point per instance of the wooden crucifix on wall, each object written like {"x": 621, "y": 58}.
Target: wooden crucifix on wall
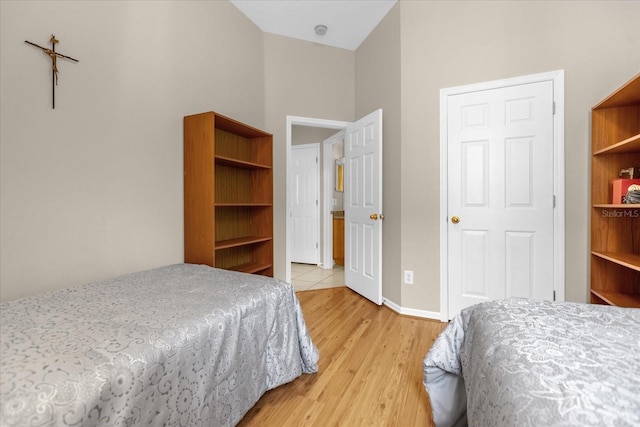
{"x": 54, "y": 64}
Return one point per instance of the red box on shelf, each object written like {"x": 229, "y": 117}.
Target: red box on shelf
{"x": 620, "y": 188}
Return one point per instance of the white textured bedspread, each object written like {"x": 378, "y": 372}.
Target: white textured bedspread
{"x": 537, "y": 363}
{"x": 183, "y": 345}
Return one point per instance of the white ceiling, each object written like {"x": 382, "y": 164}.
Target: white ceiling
{"x": 348, "y": 22}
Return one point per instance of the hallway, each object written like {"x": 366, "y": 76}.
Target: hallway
{"x": 305, "y": 277}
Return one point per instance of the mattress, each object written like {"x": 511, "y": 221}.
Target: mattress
{"x": 181, "y": 345}
{"x": 536, "y": 363}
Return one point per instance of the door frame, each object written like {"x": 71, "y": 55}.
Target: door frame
{"x": 557, "y": 77}
{"x": 328, "y": 176}
{"x": 310, "y": 122}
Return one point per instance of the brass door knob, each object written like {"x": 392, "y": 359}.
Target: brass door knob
{"x": 374, "y": 216}
{"x": 455, "y": 219}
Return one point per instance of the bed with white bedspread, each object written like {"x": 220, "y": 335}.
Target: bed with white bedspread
{"x": 182, "y": 345}
{"x": 525, "y": 362}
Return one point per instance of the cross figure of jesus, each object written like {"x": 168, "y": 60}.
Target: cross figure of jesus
{"x": 54, "y": 63}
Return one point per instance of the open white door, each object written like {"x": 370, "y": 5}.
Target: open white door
{"x": 363, "y": 206}
{"x": 305, "y": 189}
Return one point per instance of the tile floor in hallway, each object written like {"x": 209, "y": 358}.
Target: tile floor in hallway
{"x": 305, "y": 277}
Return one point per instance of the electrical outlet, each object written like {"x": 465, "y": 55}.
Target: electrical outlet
{"x": 408, "y": 277}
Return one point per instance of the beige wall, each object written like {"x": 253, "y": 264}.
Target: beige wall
{"x": 378, "y": 85}
{"x": 308, "y": 80}
{"x": 93, "y": 188}
{"x": 301, "y": 135}
{"x": 446, "y": 44}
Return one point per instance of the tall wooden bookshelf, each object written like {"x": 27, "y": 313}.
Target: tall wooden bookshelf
{"x": 615, "y": 227}
{"x": 228, "y": 194}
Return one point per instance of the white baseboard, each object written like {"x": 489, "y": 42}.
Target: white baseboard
{"x": 411, "y": 311}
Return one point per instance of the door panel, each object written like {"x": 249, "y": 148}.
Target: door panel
{"x": 520, "y": 263}
{"x": 353, "y": 253}
{"x": 519, "y": 172}
{"x": 370, "y": 259}
{"x": 475, "y": 257}
{"x": 475, "y": 169}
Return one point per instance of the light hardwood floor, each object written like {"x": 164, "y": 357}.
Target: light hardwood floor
{"x": 370, "y": 369}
